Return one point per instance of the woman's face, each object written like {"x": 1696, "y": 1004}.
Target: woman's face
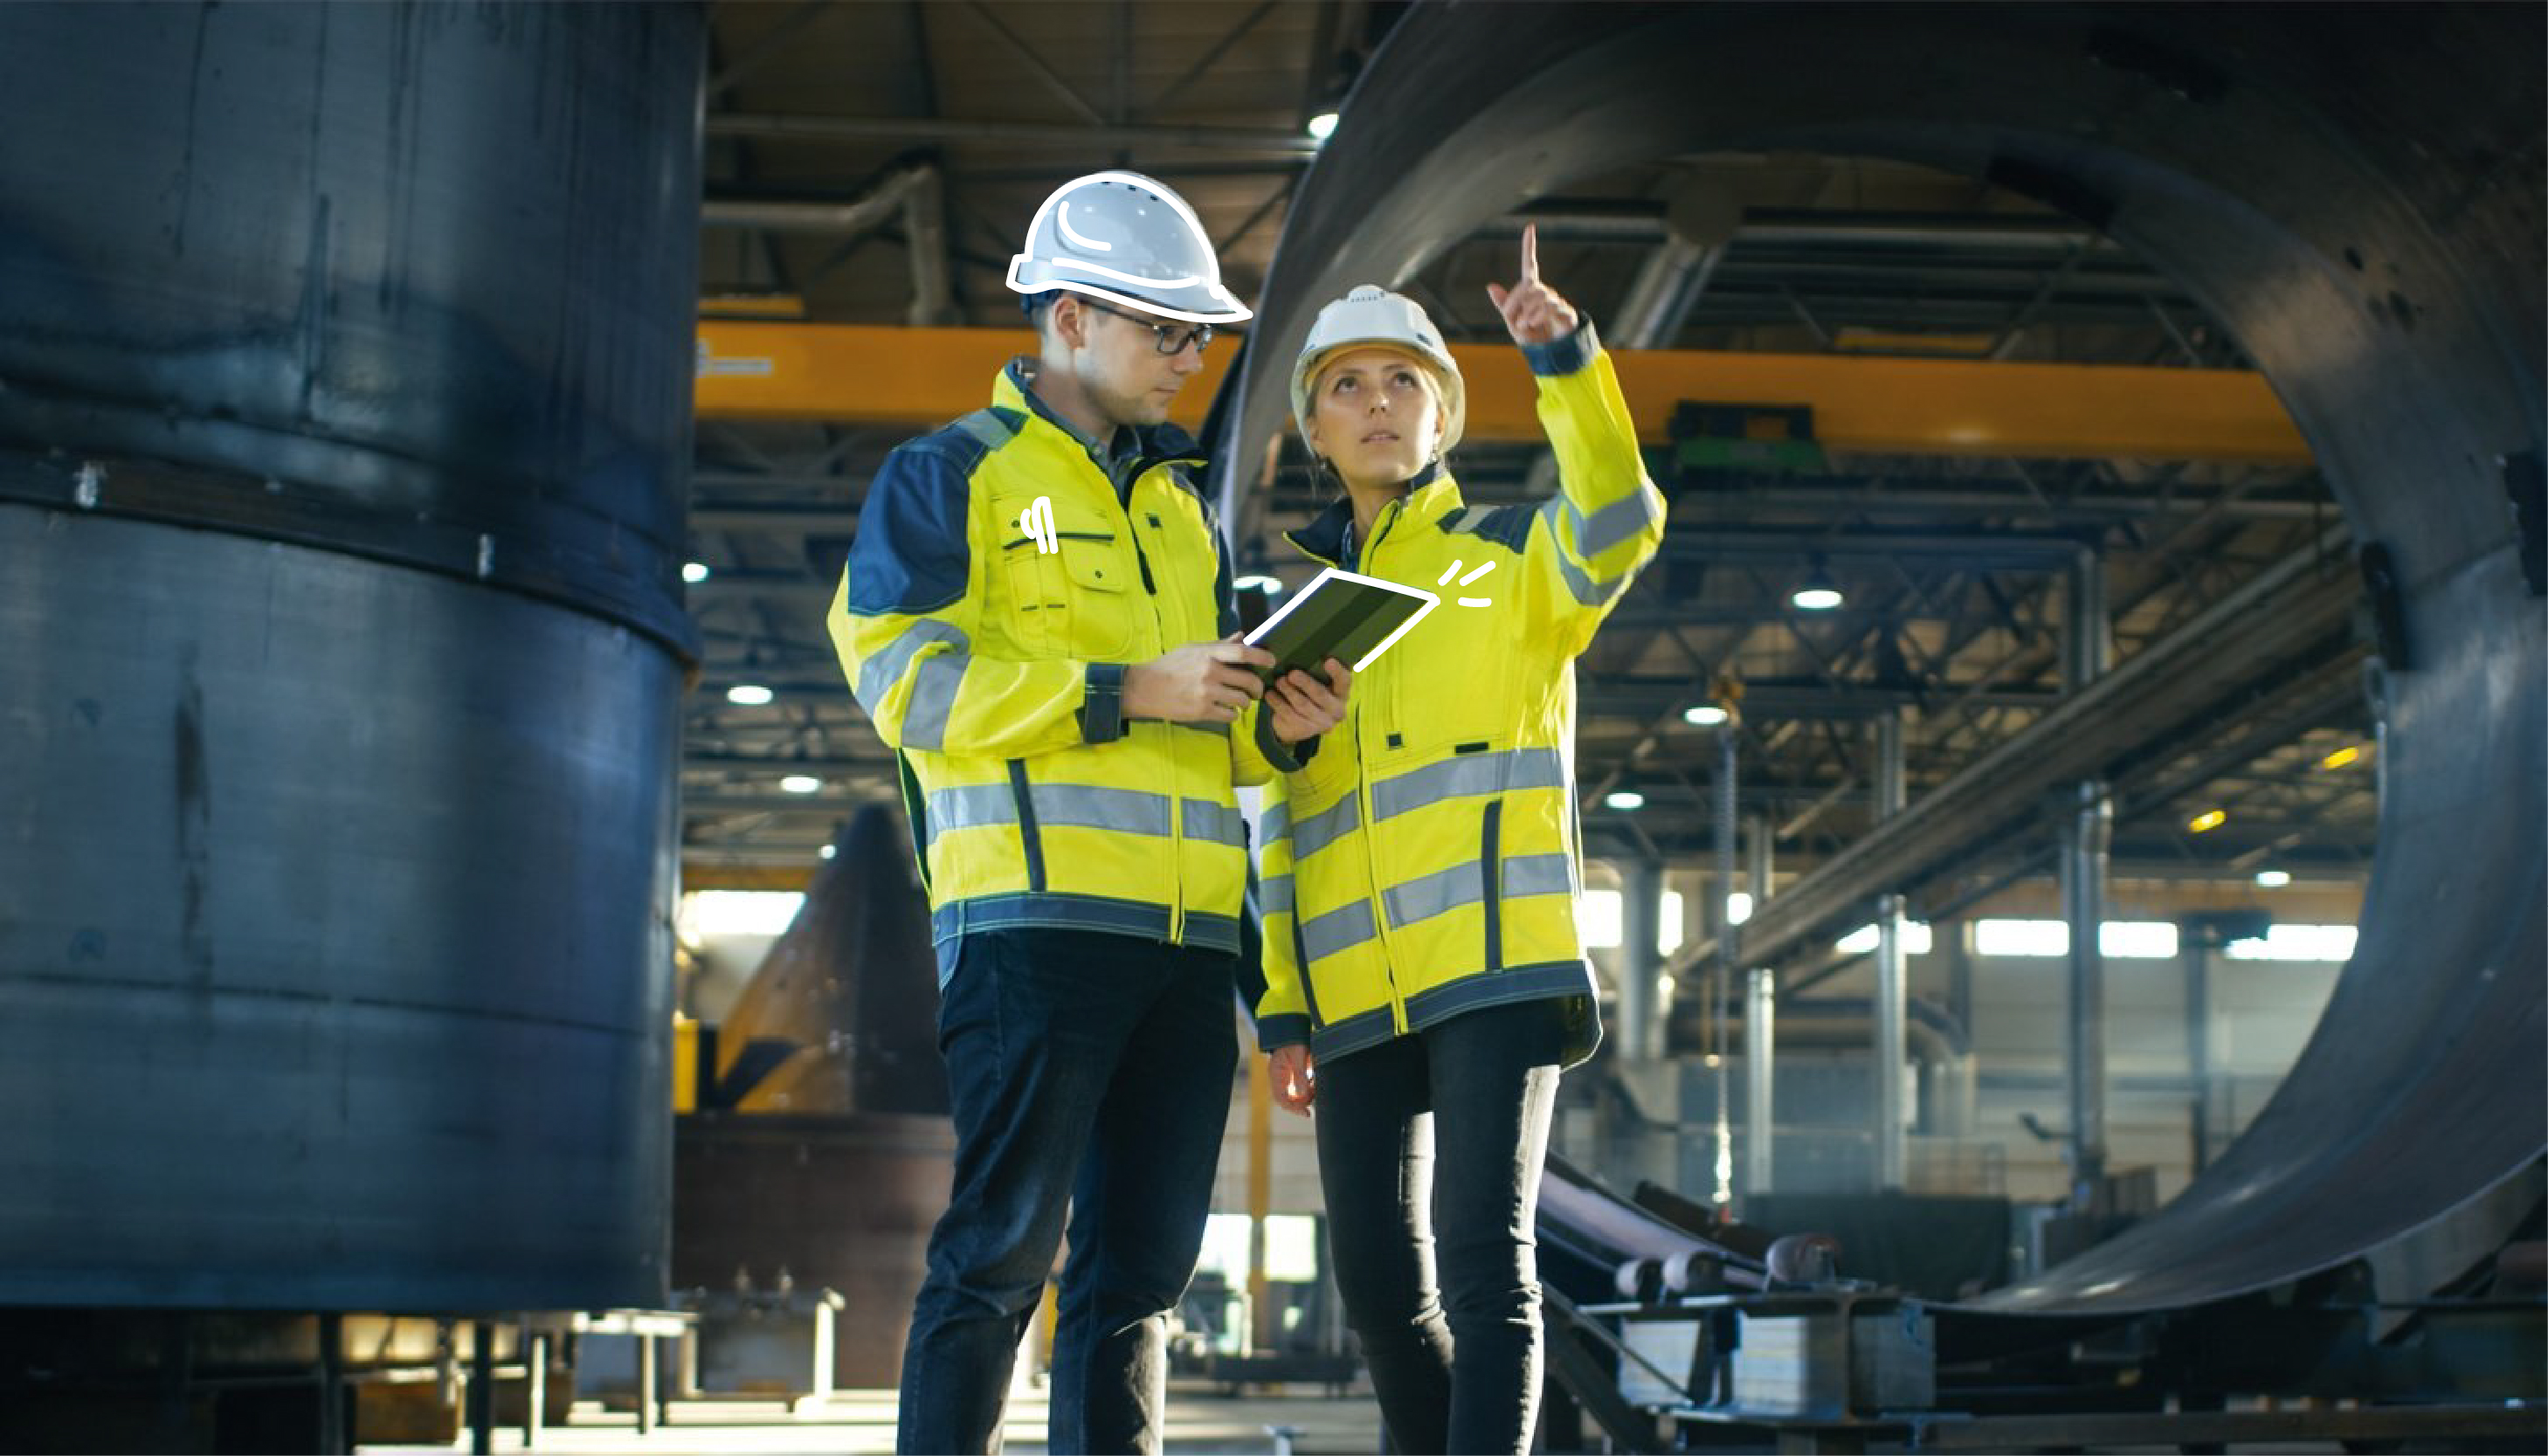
{"x": 1375, "y": 415}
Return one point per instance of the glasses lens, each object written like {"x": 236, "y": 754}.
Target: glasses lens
{"x": 1173, "y": 339}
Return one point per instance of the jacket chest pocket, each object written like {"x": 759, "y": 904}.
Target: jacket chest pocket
{"x": 1451, "y": 678}
{"x": 1075, "y": 601}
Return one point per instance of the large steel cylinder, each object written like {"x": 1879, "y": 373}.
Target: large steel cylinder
{"x": 345, "y": 428}
{"x": 2354, "y": 192}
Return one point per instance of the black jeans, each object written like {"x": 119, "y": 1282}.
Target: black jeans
{"x": 1429, "y": 1147}
{"x": 1091, "y": 1068}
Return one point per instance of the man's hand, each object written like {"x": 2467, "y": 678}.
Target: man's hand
{"x": 1304, "y": 706}
{"x": 1533, "y": 313}
{"x": 1204, "y": 683}
{"x": 1293, "y": 1078}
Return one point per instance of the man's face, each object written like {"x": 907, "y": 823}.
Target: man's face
{"x": 1118, "y": 364}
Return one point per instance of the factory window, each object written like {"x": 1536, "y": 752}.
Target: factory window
{"x": 1599, "y": 917}
{"x": 1916, "y": 940}
{"x": 707, "y": 913}
{"x": 1291, "y": 1248}
{"x": 2298, "y": 943}
{"x": 2118, "y": 940}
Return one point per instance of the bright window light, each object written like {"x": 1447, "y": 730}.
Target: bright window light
{"x": 2273, "y": 880}
{"x": 801, "y": 784}
{"x": 1705, "y": 715}
{"x": 695, "y": 571}
{"x": 2117, "y": 940}
{"x": 749, "y": 694}
{"x": 2298, "y": 943}
{"x": 1916, "y": 940}
{"x": 1738, "y": 908}
{"x": 738, "y": 912}
{"x": 2136, "y": 940}
{"x": 1600, "y": 919}
{"x": 1322, "y": 125}
{"x": 1624, "y": 798}
{"x": 1267, "y": 584}
{"x": 2020, "y": 937}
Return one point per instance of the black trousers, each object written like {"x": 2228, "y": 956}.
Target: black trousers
{"x": 1429, "y": 1147}
{"x": 1090, "y": 1073}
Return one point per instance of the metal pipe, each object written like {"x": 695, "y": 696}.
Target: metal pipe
{"x": 1720, "y": 989}
{"x": 1890, "y": 1058}
{"x": 1759, "y": 1051}
{"x": 2086, "y": 647}
{"x": 2197, "y": 1042}
{"x": 1641, "y": 961}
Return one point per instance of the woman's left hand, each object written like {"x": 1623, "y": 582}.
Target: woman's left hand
{"x": 1533, "y": 311}
{"x": 1304, "y": 707}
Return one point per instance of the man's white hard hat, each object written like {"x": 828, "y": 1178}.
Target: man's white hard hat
{"x": 1126, "y": 238}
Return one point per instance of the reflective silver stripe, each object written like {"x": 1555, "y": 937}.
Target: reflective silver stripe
{"x": 1579, "y": 581}
{"x": 934, "y": 685}
{"x": 1466, "y": 774}
{"x": 878, "y": 673}
{"x": 1325, "y": 827}
{"x": 1067, "y": 805}
{"x": 988, "y": 427}
{"x": 1122, "y": 810}
{"x": 1428, "y": 895}
{"x": 1338, "y": 930}
{"x": 1538, "y": 874}
{"x": 1611, "y": 524}
{"x": 1221, "y": 824}
{"x": 969, "y": 807}
{"x": 1277, "y": 822}
{"x": 1274, "y": 894}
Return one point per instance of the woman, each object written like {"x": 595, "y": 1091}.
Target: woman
{"x": 1425, "y": 980}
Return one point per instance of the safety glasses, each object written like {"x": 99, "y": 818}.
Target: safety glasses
{"x": 1171, "y": 338}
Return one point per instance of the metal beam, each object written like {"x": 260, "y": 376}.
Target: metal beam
{"x": 754, "y": 370}
{"x": 2157, "y": 691}
{"x": 902, "y": 131}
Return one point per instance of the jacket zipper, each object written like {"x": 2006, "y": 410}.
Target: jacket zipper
{"x": 1176, "y": 801}
{"x": 1369, "y": 565}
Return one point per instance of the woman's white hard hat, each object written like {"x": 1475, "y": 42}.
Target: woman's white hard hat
{"x": 1372, "y": 316}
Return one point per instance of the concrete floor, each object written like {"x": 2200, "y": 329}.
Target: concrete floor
{"x": 1200, "y": 1419}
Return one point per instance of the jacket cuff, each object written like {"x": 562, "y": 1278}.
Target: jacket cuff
{"x": 1100, "y": 713}
{"x": 1285, "y": 1029}
{"x": 1287, "y": 757}
{"x": 1564, "y": 355}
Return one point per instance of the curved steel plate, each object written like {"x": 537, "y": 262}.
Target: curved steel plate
{"x": 2353, "y": 200}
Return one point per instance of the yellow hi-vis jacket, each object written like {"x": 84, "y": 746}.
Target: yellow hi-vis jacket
{"x": 994, "y": 670}
{"x": 1427, "y": 860}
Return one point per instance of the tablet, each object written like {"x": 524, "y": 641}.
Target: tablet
{"x": 1339, "y": 614}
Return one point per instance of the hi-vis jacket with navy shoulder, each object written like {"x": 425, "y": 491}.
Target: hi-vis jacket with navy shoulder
{"x": 994, "y": 670}
{"x": 1426, "y": 861}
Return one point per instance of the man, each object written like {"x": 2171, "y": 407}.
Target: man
{"x": 1038, "y": 616}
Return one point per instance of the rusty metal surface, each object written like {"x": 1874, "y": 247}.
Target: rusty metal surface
{"x": 2353, "y": 190}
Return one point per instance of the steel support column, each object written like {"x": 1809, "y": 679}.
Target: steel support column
{"x": 2086, "y": 649}
{"x": 1892, "y": 1155}
{"x": 1642, "y": 1013}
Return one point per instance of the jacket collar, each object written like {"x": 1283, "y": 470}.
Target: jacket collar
{"x": 1430, "y": 494}
{"x": 1014, "y": 390}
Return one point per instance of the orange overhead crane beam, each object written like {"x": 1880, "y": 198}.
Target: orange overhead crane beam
{"x": 867, "y": 375}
